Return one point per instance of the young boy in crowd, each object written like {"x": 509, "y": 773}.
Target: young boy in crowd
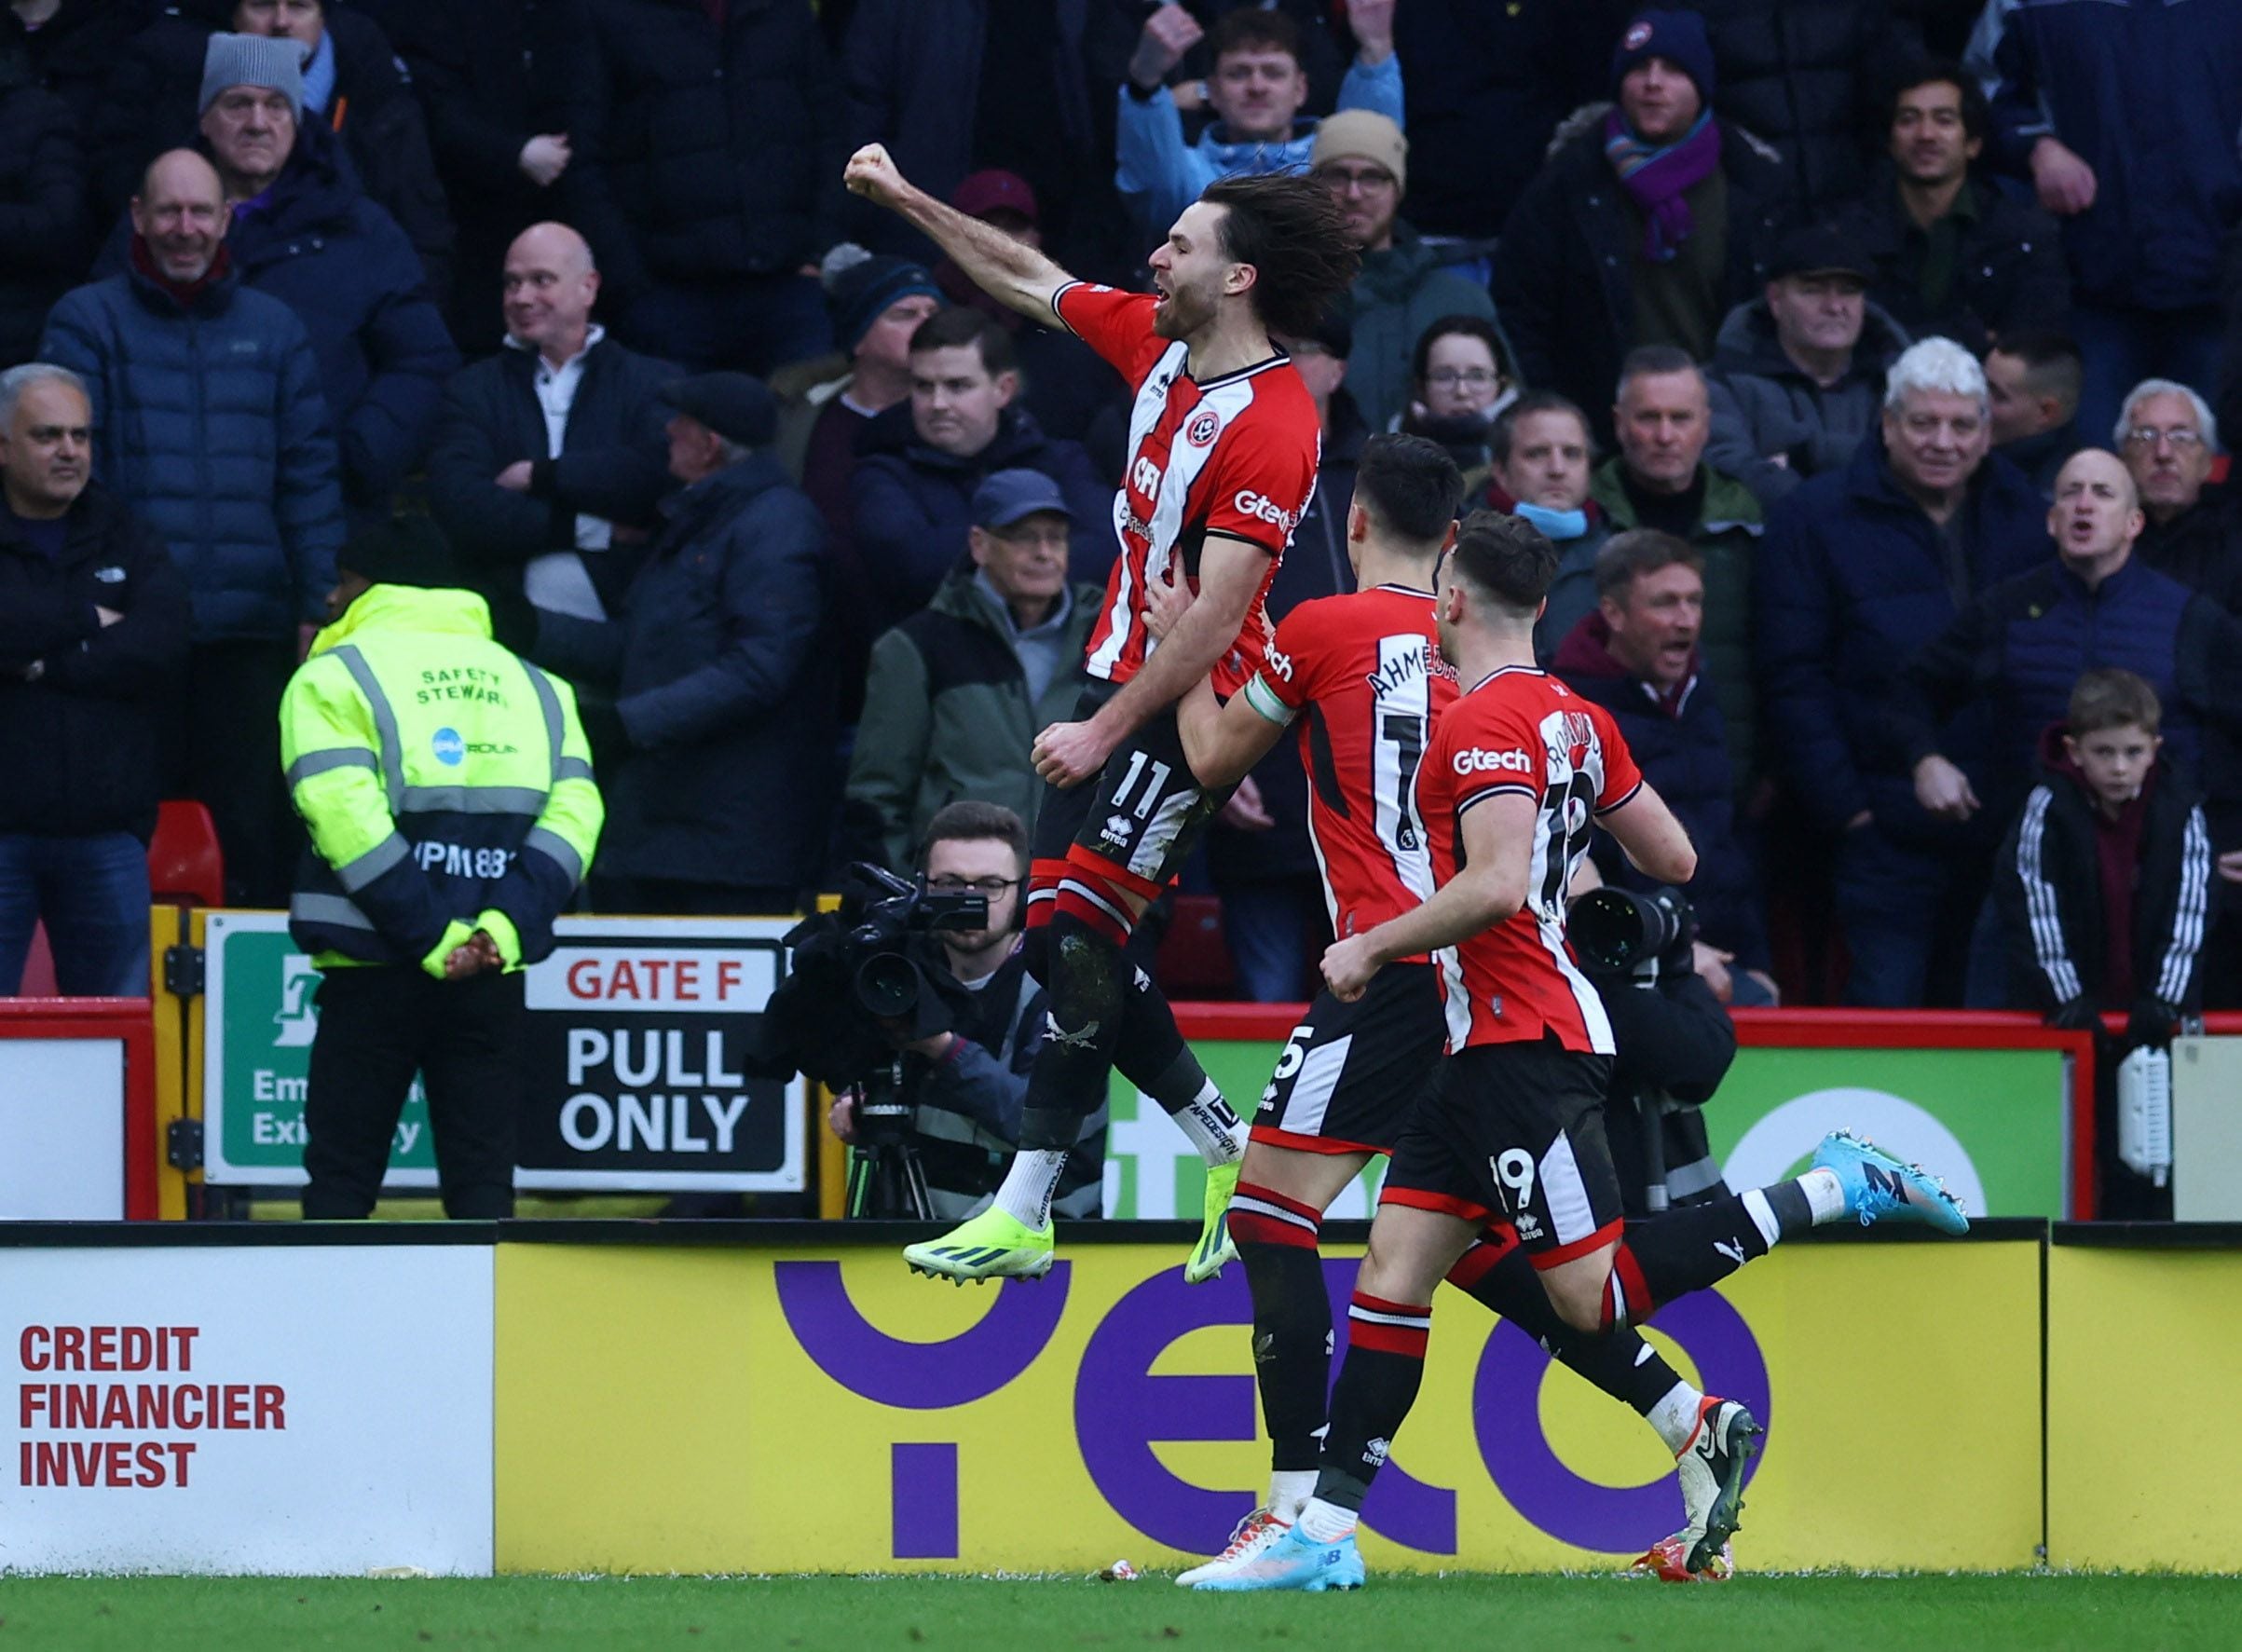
{"x": 2104, "y": 890}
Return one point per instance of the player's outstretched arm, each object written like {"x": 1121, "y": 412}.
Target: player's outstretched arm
{"x": 1003, "y": 268}
{"x": 1657, "y": 844}
{"x": 1498, "y": 835}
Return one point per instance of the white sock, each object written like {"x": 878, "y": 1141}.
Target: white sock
{"x": 1289, "y": 1488}
{"x": 1323, "y": 1523}
{"x": 1028, "y": 1184}
{"x": 1210, "y": 1125}
{"x": 1824, "y": 1196}
{"x": 1762, "y": 1213}
{"x": 1675, "y": 1417}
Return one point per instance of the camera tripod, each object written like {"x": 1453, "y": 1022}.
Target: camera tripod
{"x": 885, "y": 1177}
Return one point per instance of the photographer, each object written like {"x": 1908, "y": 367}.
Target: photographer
{"x": 1675, "y": 1040}
{"x": 968, "y": 1083}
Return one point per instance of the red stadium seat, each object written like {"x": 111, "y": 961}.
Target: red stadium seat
{"x": 1193, "y": 960}
{"x": 38, "y": 968}
{"x": 185, "y": 868}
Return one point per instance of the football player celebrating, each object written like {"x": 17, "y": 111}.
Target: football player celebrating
{"x": 1225, "y": 443}
{"x": 1359, "y": 680}
{"x": 1516, "y": 775}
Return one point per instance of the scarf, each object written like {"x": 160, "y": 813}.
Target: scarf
{"x": 1559, "y": 526}
{"x": 1657, "y": 178}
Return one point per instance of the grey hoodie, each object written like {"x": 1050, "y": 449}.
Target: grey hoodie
{"x": 1764, "y": 406}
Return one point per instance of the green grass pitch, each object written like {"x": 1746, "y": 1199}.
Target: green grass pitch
{"x": 1793, "y": 1614}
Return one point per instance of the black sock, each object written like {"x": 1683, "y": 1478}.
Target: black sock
{"x": 1090, "y": 989}
{"x": 1619, "y": 1362}
{"x": 1687, "y": 1249}
{"x": 1291, "y": 1337}
{"x": 1377, "y": 1384}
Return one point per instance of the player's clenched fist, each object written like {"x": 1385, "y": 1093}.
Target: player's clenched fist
{"x": 1068, "y": 754}
{"x": 1348, "y": 966}
{"x": 873, "y": 173}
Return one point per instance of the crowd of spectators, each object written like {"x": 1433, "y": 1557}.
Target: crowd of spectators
{"x": 1860, "y": 356}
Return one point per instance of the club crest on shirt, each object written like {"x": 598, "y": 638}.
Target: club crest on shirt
{"x": 1206, "y": 424}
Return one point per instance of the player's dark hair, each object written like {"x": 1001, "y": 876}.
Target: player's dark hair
{"x": 1289, "y": 229}
{"x": 1250, "y": 29}
{"x": 2113, "y": 699}
{"x": 1479, "y": 327}
{"x": 1506, "y": 558}
{"x": 1655, "y": 360}
{"x": 962, "y": 324}
{"x": 1627, "y": 557}
{"x": 1504, "y": 431}
{"x": 1976, "y": 114}
{"x": 1410, "y": 486}
{"x": 970, "y": 821}
{"x": 2054, "y": 365}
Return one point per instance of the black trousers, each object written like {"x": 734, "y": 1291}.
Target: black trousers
{"x": 379, "y": 1025}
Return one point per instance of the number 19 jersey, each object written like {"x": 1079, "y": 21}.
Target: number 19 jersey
{"x": 1362, "y": 678}
{"x": 1521, "y": 732}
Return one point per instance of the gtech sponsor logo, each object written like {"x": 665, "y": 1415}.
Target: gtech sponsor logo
{"x": 1248, "y": 503}
{"x": 1478, "y": 760}
{"x": 1277, "y": 664}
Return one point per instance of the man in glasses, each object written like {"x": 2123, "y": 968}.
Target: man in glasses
{"x": 1404, "y": 286}
{"x": 970, "y": 1082}
{"x": 2169, "y": 440}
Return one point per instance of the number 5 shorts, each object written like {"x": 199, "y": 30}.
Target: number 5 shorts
{"x": 1351, "y": 1071}
{"x": 1514, "y": 1132}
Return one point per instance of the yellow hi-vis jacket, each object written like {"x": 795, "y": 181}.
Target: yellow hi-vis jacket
{"x": 447, "y": 785}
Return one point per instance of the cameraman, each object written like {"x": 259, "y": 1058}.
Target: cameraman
{"x": 968, "y": 1083}
{"x": 1675, "y": 1043}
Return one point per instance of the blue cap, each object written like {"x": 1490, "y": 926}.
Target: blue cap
{"x": 1678, "y": 36}
{"x": 1004, "y": 496}
{"x": 735, "y": 407}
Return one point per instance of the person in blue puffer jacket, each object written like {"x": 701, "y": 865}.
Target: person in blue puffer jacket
{"x": 1257, "y": 91}
{"x": 209, "y": 422}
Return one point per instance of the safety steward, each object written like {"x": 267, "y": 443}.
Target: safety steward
{"x": 449, "y": 790}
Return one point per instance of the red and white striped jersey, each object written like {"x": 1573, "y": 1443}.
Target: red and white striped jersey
{"x": 1521, "y": 732}
{"x": 1235, "y": 455}
{"x": 1363, "y": 677}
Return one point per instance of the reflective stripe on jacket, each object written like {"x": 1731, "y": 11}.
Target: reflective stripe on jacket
{"x": 445, "y": 782}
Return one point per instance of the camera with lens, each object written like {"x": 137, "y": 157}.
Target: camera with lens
{"x": 1619, "y": 932}
{"x": 873, "y": 965}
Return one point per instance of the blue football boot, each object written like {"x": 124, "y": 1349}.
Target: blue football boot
{"x": 1878, "y": 1188}
{"x": 1295, "y": 1561}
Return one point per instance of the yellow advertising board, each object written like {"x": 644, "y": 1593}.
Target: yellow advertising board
{"x": 684, "y": 1409}
{"x": 2144, "y": 1452}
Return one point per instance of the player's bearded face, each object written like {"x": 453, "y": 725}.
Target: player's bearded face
{"x": 1187, "y": 301}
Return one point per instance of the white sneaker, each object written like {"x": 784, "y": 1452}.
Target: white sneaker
{"x": 1253, "y": 1535}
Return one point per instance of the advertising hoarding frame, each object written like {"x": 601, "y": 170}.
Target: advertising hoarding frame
{"x": 125, "y": 1022}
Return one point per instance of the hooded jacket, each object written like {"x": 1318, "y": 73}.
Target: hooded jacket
{"x": 1766, "y": 406}
{"x": 947, "y": 716}
{"x": 914, "y": 503}
{"x": 1398, "y": 292}
{"x": 208, "y": 418}
{"x": 1682, "y": 749}
{"x": 445, "y": 784}
{"x": 80, "y": 746}
{"x": 2047, "y": 888}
